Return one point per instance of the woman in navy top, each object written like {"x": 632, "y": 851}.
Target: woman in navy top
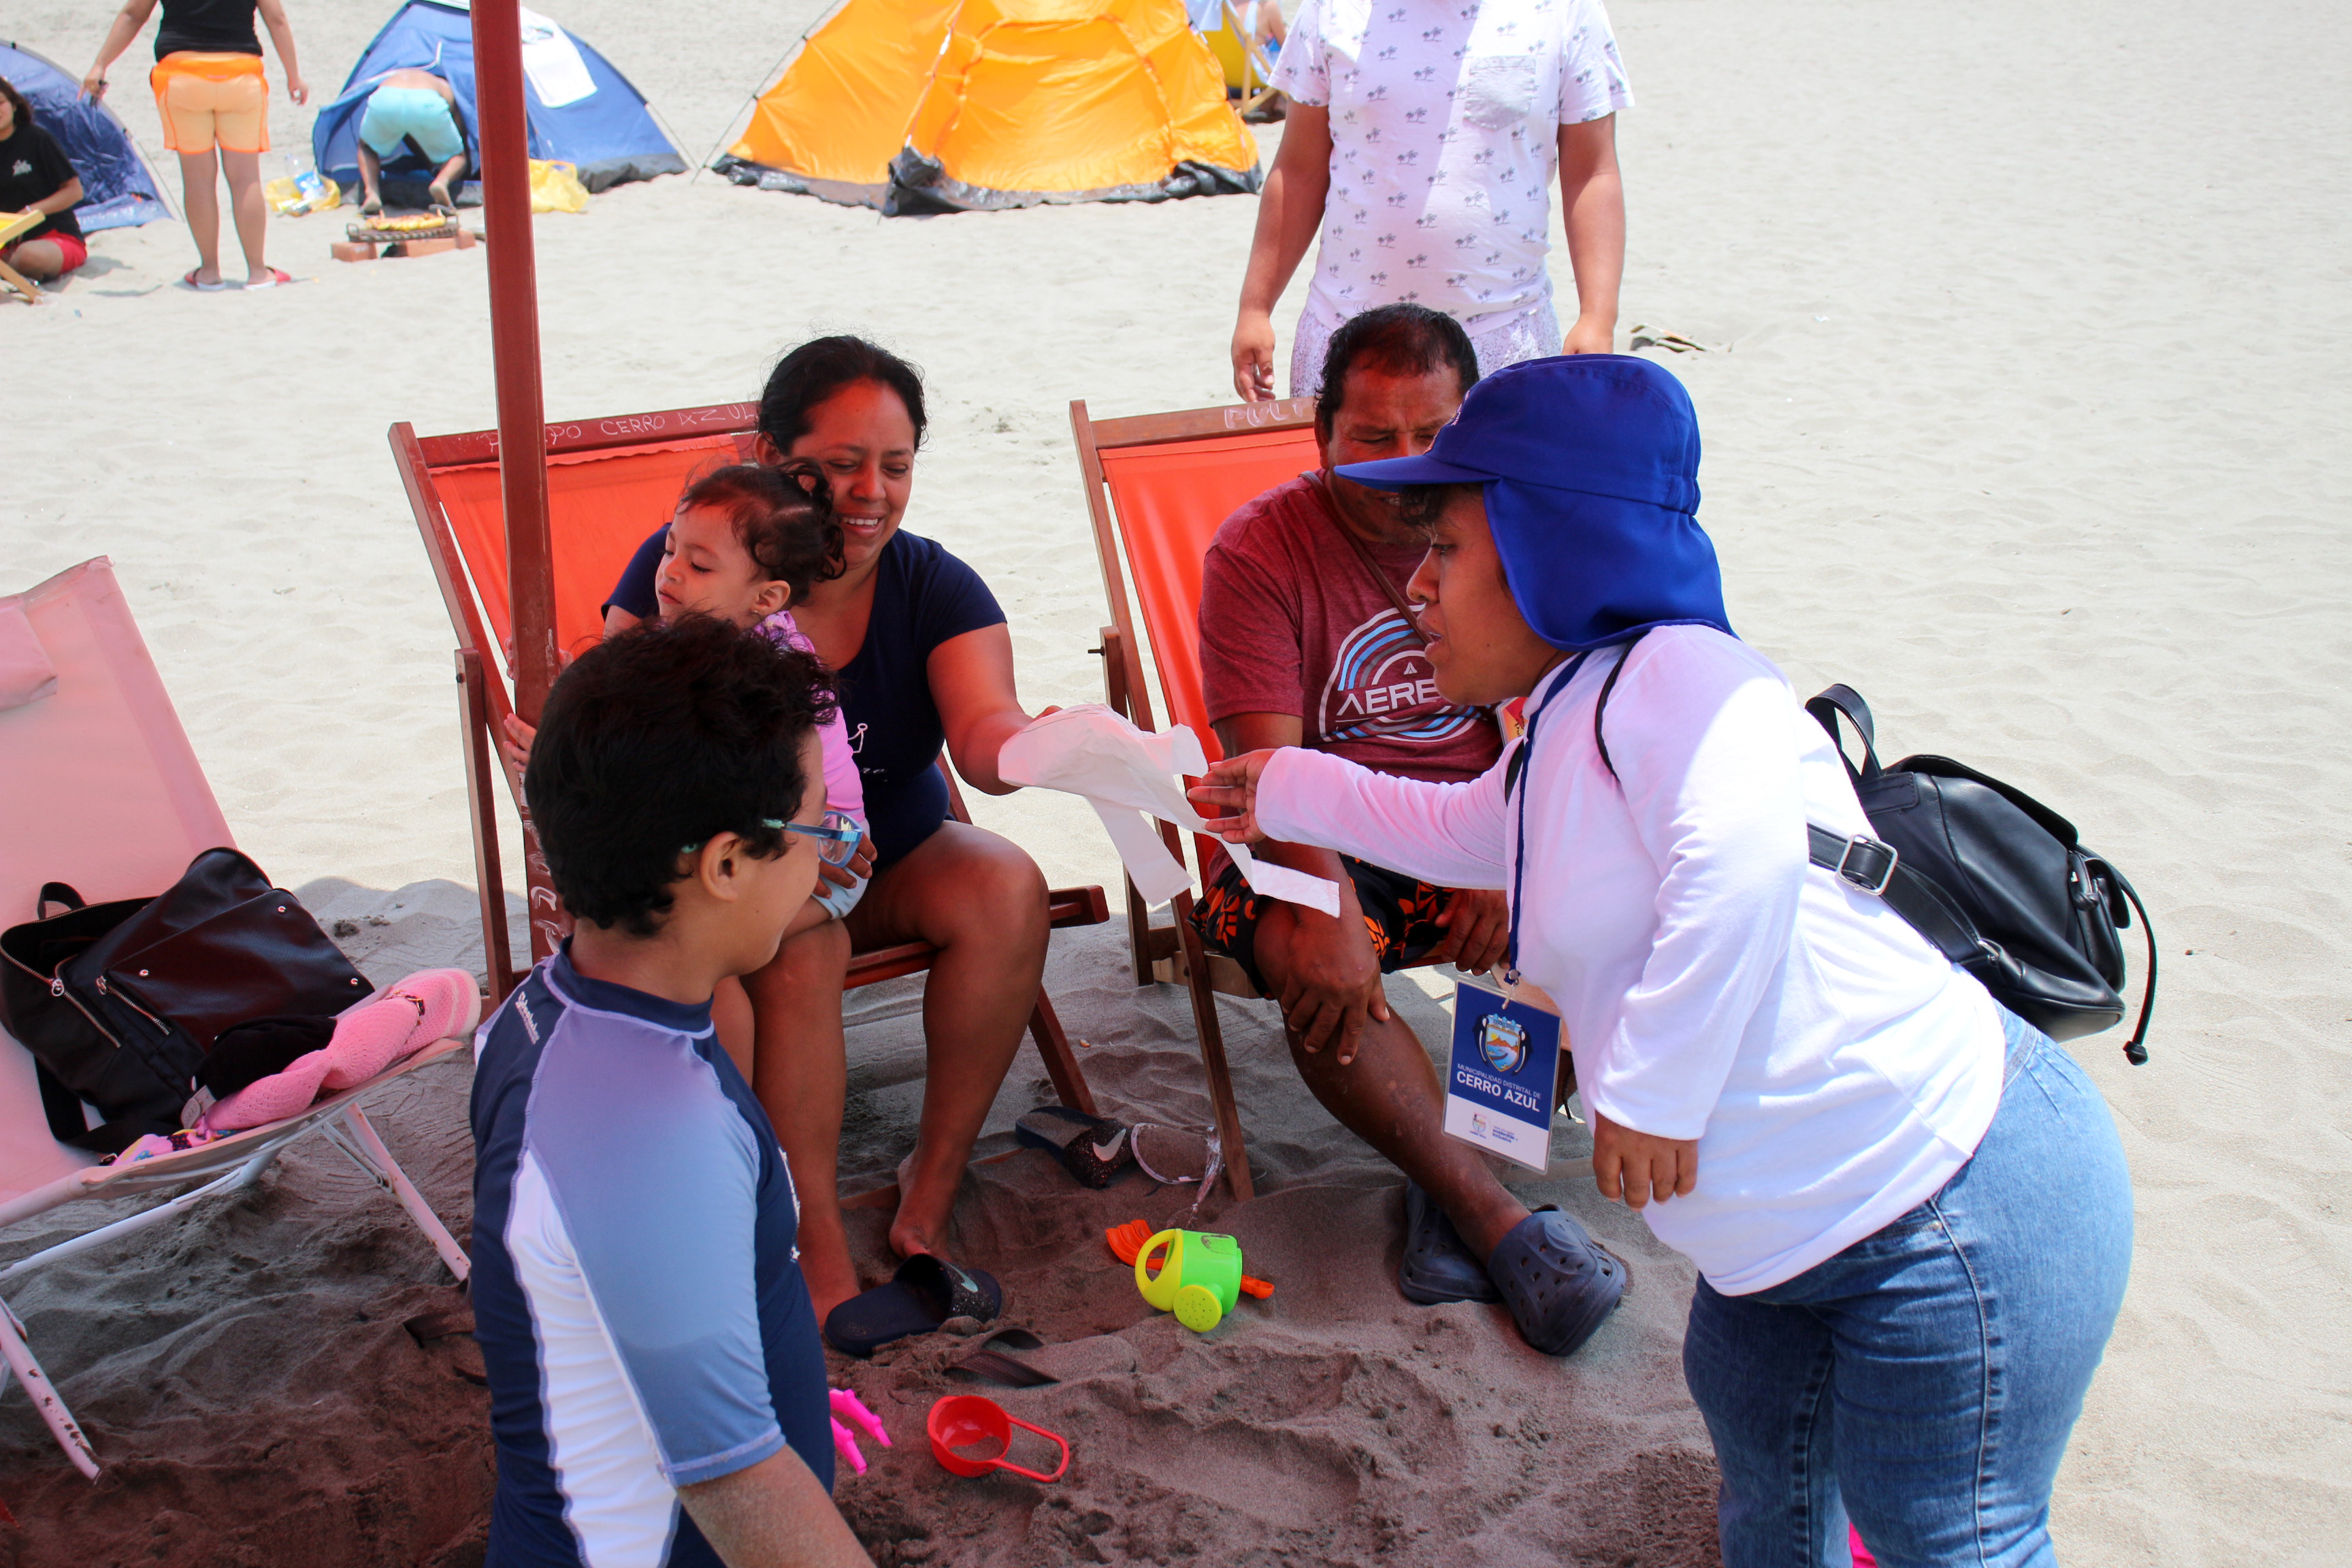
{"x": 924, "y": 659}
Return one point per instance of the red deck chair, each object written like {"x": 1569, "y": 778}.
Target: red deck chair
{"x": 1160, "y": 484}
{"x": 610, "y": 482}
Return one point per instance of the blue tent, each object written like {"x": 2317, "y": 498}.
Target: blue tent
{"x": 598, "y": 122}
{"x": 119, "y": 190}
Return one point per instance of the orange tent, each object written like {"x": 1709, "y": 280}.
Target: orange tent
{"x": 916, "y": 106}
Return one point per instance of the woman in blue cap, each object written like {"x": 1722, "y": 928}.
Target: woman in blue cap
{"x": 1908, "y": 1208}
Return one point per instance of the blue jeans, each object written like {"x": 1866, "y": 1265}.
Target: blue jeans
{"x": 1926, "y": 1378}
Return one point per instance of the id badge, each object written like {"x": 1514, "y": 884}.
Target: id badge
{"x": 1506, "y": 1064}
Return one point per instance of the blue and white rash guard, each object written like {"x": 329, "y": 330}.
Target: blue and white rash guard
{"x": 637, "y": 1291}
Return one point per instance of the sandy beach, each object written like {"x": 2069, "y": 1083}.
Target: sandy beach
{"x": 2025, "y": 396}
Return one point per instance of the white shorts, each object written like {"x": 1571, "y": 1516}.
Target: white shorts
{"x": 1530, "y": 335}
{"x": 839, "y": 899}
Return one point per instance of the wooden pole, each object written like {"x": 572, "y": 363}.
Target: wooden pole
{"x": 514, "y": 353}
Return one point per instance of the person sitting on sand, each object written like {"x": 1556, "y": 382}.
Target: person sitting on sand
{"x": 1305, "y": 640}
{"x": 1909, "y": 1209}
{"x": 924, "y": 659}
{"x": 657, "y": 1391}
{"x": 35, "y": 175}
{"x": 410, "y": 107}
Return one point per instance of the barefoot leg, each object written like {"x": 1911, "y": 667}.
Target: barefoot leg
{"x": 981, "y": 901}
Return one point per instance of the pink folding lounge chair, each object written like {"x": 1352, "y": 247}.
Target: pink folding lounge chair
{"x": 100, "y": 788}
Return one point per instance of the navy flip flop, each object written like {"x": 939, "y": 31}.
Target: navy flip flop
{"x": 925, "y": 1292}
{"x": 1559, "y": 1283}
{"x": 1091, "y": 1148}
{"x": 1438, "y": 1265}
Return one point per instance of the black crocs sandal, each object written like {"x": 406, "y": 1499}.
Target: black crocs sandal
{"x": 1094, "y": 1149}
{"x": 925, "y": 1292}
{"x": 1559, "y": 1283}
{"x": 1438, "y": 1265}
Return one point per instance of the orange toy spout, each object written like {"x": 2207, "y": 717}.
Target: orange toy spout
{"x": 1127, "y": 1240}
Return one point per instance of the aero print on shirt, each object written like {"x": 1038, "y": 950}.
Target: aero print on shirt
{"x": 1383, "y": 687}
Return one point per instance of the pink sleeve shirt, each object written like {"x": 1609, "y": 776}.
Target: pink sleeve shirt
{"x": 842, "y": 790}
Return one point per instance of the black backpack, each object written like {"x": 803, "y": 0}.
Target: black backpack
{"x": 1997, "y": 882}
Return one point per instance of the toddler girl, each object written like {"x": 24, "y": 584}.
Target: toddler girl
{"x": 746, "y": 544}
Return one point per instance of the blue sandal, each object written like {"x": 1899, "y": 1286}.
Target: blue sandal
{"x": 1559, "y": 1283}
{"x": 1438, "y": 1265}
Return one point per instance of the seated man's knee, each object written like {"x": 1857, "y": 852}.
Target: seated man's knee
{"x": 1275, "y": 929}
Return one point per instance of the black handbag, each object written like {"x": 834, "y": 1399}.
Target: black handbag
{"x": 1995, "y": 880}
{"x": 120, "y": 1002}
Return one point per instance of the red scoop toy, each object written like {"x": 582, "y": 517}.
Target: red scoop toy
{"x": 965, "y": 1420}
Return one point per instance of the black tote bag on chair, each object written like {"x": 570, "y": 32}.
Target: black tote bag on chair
{"x": 120, "y": 1002}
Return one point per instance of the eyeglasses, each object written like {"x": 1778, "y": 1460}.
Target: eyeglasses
{"x": 837, "y": 836}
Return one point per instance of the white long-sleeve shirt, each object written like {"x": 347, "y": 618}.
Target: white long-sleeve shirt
{"x": 1835, "y": 1068}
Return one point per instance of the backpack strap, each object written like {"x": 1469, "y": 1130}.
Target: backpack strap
{"x": 1874, "y": 868}
{"x": 1845, "y": 699}
{"x": 1601, "y": 707}
{"x": 2136, "y": 1048}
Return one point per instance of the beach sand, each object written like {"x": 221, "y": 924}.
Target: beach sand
{"x": 2024, "y": 405}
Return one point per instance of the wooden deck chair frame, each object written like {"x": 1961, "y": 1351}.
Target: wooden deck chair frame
{"x": 1165, "y": 952}
{"x": 484, "y": 699}
{"x": 1257, "y": 70}
{"x": 11, "y": 226}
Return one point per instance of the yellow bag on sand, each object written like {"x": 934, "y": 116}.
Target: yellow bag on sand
{"x": 556, "y": 188}
{"x": 290, "y": 195}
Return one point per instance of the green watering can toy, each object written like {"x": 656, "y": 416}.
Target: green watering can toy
{"x": 1200, "y": 1279}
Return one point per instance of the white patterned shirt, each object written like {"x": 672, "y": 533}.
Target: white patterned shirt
{"x": 1445, "y": 119}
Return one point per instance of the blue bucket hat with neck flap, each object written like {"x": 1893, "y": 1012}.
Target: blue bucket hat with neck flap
{"x": 1590, "y": 464}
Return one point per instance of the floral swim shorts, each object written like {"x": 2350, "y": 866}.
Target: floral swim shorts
{"x": 1400, "y": 913}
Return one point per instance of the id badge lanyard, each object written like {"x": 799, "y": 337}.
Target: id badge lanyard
{"x": 1514, "y": 778}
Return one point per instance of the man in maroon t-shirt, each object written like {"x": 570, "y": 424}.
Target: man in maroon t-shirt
{"x": 1305, "y": 641}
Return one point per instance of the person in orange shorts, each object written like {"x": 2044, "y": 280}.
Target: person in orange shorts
{"x": 215, "y": 99}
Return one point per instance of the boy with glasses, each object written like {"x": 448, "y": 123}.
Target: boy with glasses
{"x": 657, "y": 1387}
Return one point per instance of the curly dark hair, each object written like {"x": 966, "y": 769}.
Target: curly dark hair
{"x": 822, "y": 366}
{"x": 657, "y": 740}
{"x": 784, "y": 516}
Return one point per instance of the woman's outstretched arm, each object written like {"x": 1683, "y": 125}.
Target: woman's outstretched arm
{"x": 1447, "y": 834}
{"x": 972, "y": 682}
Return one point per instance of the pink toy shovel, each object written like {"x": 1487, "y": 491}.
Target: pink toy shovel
{"x": 962, "y": 1420}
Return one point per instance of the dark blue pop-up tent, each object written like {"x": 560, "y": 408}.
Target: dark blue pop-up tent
{"x": 581, "y": 110}
{"x": 119, "y": 190}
